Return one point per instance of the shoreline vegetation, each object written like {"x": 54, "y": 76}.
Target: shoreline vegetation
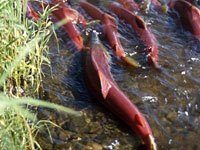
{"x": 23, "y": 52}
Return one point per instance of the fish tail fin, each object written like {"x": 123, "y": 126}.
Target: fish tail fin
{"x": 152, "y": 144}
{"x": 130, "y": 61}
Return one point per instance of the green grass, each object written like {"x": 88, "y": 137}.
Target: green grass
{"x": 19, "y": 127}
{"x": 23, "y": 52}
{"x": 23, "y": 48}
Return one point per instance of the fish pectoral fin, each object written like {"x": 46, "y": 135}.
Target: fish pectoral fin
{"x": 105, "y": 84}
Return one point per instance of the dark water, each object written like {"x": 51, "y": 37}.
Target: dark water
{"x": 170, "y": 99}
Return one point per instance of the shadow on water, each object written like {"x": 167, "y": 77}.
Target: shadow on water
{"x": 170, "y": 99}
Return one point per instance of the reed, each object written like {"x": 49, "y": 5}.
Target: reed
{"x": 23, "y": 48}
{"x": 23, "y": 52}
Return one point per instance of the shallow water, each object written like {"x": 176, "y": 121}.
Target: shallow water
{"x": 170, "y": 99}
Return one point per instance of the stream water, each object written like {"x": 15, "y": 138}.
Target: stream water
{"x": 169, "y": 99}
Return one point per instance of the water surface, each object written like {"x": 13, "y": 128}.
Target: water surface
{"x": 170, "y": 99}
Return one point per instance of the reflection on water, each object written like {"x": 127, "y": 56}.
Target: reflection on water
{"x": 170, "y": 99}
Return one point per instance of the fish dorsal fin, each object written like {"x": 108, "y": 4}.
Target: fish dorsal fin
{"x": 139, "y": 121}
{"x": 105, "y": 84}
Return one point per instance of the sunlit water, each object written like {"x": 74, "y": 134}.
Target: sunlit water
{"x": 169, "y": 99}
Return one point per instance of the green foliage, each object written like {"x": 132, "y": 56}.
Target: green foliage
{"x": 18, "y": 103}
{"x": 18, "y": 126}
{"x": 15, "y": 132}
{"x": 23, "y": 51}
{"x": 23, "y": 48}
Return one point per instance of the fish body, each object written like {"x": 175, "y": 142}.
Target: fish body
{"x": 141, "y": 29}
{"x": 105, "y": 89}
{"x": 189, "y": 16}
{"x": 31, "y": 12}
{"x": 130, "y": 5}
{"x": 71, "y": 18}
{"x": 110, "y": 31}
